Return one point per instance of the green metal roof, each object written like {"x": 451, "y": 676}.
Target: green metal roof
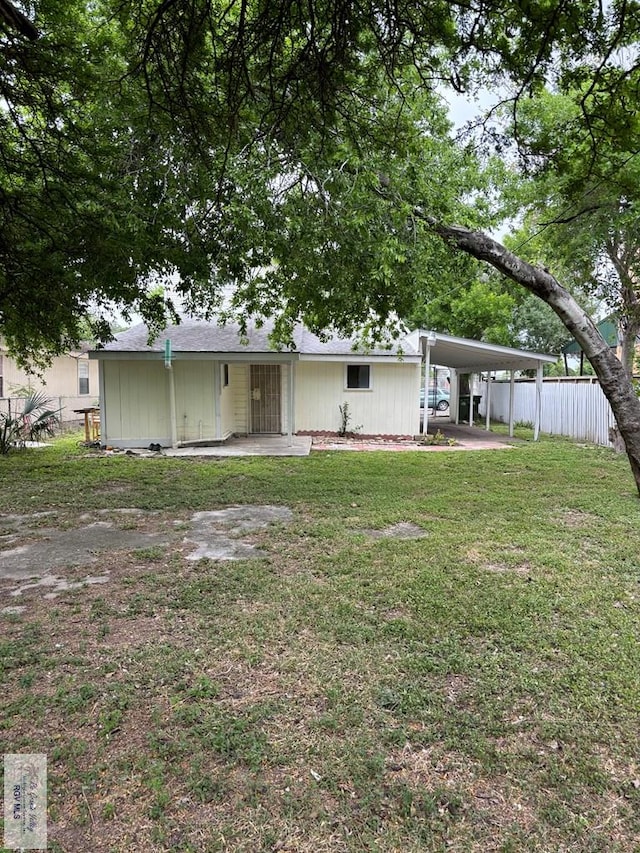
{"x": 607, "y": 328}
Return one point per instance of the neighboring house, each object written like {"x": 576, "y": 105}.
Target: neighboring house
{"x": 71, "y": 381}
{"x": 200, "y": 382}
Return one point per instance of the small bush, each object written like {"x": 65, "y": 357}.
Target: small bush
{"x": 345, "y": 420}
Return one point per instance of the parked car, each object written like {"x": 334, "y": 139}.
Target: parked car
{"x": 438, "y": 399}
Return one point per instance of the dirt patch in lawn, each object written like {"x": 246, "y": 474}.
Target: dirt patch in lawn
{"x": 401, "y": 530}
{"x": 574, "y": 518}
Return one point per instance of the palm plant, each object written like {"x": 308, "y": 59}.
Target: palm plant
{"x": 36, "y": 421}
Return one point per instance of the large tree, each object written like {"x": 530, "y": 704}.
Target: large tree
{"x": 581, "y": 212}
{"x": 296, "y": 149}
{"x": 91, "y": 194}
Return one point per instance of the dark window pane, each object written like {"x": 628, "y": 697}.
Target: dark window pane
{"x": 358, "y": 376}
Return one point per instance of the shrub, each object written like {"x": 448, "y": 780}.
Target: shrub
{"x": 36, "y": 421}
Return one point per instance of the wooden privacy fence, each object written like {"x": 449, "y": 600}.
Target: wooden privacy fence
{"x": 573, "y": 406}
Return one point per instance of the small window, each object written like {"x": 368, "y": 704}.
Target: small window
{"x": 225, "y": 375}
{"x": 358, "y": 376}
{"x": 83, "y": 377}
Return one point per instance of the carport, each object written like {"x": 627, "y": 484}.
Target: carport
{"x": 464, "y": 356}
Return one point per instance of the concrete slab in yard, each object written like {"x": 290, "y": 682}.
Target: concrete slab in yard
{"x": 37, "y": 551}
{"x": 216, "y": 533}
{"x": 49, "y": 548}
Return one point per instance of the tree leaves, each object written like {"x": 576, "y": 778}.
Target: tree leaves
{"x": 202, "y": 145}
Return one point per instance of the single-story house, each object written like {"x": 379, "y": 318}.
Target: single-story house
{"x": 201, "y": 382}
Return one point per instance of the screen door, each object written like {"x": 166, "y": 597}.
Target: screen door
{"x": 265, "y": 398}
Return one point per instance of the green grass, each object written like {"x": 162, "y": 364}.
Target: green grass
{"x": 477, "y": 689}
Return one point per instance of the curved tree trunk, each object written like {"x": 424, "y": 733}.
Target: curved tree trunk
{"x": 613, "y": 377}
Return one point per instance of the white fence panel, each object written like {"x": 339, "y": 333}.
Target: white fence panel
{"x": 575, "y": 408}
{"x": 65, "y": 405}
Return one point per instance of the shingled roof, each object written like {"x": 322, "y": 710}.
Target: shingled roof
{"x": 193, "y": 336}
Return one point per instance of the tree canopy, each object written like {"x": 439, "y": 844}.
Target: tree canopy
{"x": 299, "y": 152}
{"x": 199, "y": 142}
{"x": 581, "y": 214}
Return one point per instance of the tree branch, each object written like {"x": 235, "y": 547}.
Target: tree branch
{"x": 17, "y": 21}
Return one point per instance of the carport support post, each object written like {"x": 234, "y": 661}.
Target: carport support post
{"x": 536, "y": 425}
{"x": 430, "y": 340}
{"x": 290, "y": 405}
{"x": 488, "y": 403}
{"x": 454, "y": 385}
{"x": 512, "y": 389}
{"x": 471, "y": 383}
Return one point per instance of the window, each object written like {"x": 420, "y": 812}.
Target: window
{"x": 225, "y": 375}
{"x": 358, "y": 376}
{"x": 83, "y": 377}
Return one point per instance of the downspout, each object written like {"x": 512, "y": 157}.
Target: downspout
{"x": 172, "y": 394}
{"x": 172, "y": 408}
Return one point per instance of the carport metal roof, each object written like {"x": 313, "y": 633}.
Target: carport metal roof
{"x": 467, "y": 356}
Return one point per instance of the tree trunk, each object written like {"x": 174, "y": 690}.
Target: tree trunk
{"x": 630, "y": 330}
{"x": 613, "y": 377}
{"x": 625, "y": 263}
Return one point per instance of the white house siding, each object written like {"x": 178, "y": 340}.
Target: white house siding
{"x": 577, "y": 409}
{"x": 390, "y": 407}
{"x": 195, "y": 411}
{"x": 137, "y": 402}
{"x": 137, "y": 398}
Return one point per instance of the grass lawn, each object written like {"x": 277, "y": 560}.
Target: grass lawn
{"x": 477, "y": 689}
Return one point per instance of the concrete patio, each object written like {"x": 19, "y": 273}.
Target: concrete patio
{"x": 465, "y": 437}
{"x": 471, "y": 437}
{"x": 253, "y": 445}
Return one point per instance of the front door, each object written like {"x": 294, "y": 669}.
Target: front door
{"x": 265, "y": 398}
